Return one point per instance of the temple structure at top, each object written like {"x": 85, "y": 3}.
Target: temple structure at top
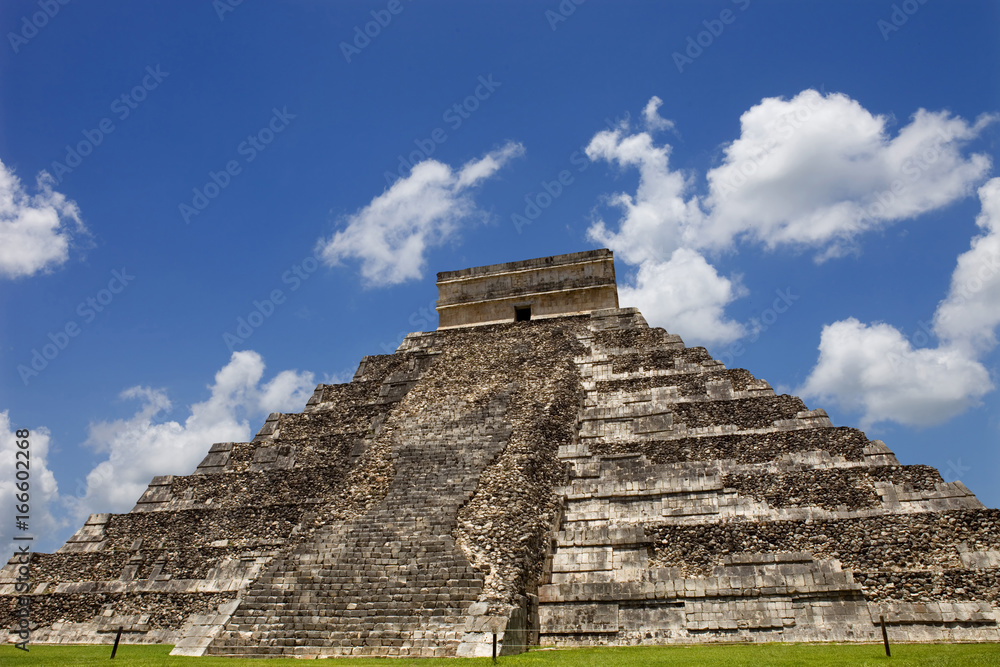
{"x": 573, "y": 284}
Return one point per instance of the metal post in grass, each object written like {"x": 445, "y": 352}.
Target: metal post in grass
{"x": 885, "y": 635}
{"x": 118, "y": 638}
{"x": 494, "y": 648}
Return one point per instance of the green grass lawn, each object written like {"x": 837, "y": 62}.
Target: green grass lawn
{"x": 755, "y": 655}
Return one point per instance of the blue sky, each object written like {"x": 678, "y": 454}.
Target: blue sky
{"x": 804, "y": 188}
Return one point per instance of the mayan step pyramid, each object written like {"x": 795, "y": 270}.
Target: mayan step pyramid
{"x": 544, "y": 466}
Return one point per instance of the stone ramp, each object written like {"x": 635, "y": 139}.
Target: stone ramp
{"x": 392, "y": 581}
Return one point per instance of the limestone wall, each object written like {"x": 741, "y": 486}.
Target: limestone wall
{"x": 549, "y": 286}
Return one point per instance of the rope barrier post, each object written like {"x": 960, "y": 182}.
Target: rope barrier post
{"x": 494, "y": 648}
{"x": 117, "y": 639}
{"x": 885, "y": 635}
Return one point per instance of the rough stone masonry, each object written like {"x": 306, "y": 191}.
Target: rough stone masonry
{"x": 544, "y": 466}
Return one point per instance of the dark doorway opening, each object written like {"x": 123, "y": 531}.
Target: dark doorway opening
{"x": 522, "y": 314}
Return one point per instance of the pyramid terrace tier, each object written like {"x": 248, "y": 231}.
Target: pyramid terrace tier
{"x": 306, "y": 485}
{"x": 629, "y": 489}
{"x": 195, "y": 568}
{"x": 776, "y": 580}
{"x": 841, "y": 443}
{"x": 95, "y": 617}
{"x": 235, "y": 525}
{"x": 921, "y": 541}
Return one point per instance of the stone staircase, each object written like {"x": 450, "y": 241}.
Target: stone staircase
{"x": 391, "y": 581}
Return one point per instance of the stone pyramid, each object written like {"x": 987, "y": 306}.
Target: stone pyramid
{"x": 543, "y": 466}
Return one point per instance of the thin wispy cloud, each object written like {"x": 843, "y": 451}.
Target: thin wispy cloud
{"x": 391, "y": 235}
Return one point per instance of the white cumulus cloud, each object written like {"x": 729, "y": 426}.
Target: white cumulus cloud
{"x": 652, "y": 118}
{"x": 817, "y": 170}
{"x": 687, "y": 292}
{"x": 392, "y": 233}
{"x": 43, "y": 491}
{"x": 674, "y": 286}
{"x": 36, "y": 231}
{"x": 659, "y": 217}
{"x": 874, "y": 369}
{"x": 969, "y": 315}
{"x": 145, "y": 444}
